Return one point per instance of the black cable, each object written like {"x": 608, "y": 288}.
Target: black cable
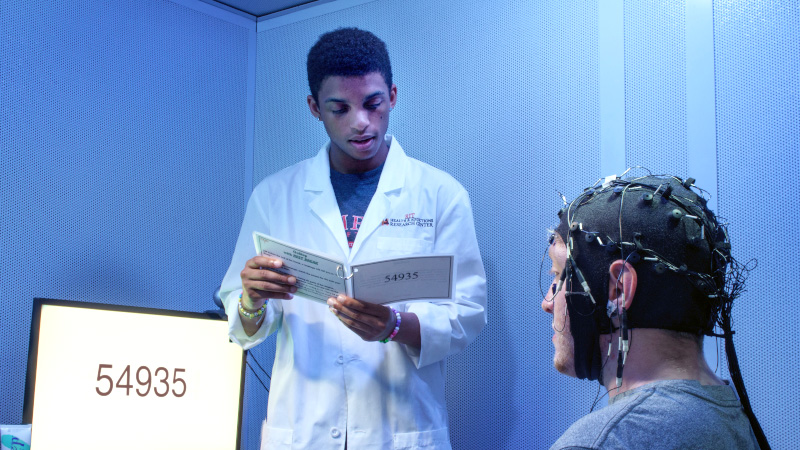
{"x": 597, "y": 396}
{"x": 256, "y": 375}
{"x": 259, "y": 366}
{"x": 597, "y": 399}
{"x": 541, "y": 268}
{"x": 738, "y": 383}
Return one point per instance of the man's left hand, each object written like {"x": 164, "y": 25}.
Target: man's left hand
{"x": 370, "y": 321}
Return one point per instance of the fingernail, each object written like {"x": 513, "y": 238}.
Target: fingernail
{"x": 332, "y": 310}
{"x": 340, "y": 297}
{"x": 291, "y": 296}
{"x": 330, "y": 301}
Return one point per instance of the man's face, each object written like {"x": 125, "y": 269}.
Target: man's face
{"x": 355, "y": 111}
{"x": 555, "y": 303}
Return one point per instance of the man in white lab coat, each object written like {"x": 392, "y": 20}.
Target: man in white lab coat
{"x": 353, "y": 374}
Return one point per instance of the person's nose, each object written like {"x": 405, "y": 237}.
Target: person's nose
{"x": 360, "y": 120}
{"x": 547, "y": 306}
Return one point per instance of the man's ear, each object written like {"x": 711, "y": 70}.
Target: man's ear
{"x": 392, "y": 96}
{"x": 621, "y": 283}
{"x": 312, "y": 105}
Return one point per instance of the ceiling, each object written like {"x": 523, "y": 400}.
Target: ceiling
{"x": 261, "y": 8}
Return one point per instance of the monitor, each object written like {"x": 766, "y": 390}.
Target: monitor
{"x": 119, "y": 377}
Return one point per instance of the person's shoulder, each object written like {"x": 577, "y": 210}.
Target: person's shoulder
{"x": 585, "y": 433}
{"x": 433, "y": 176}
{"x": 601, "y": 429}
{"x": 419, "y": 169}
{"x": 576, "y": 437}
{"x": 687, "y": 397}
{"x": 654, "y": 412}
{"x": 283, "y": 178}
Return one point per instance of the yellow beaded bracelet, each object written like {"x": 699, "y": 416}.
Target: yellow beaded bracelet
{"x": 252, "y": 315}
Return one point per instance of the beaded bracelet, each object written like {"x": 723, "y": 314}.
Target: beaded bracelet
{"x": 252, "y": 315}
{"x": 396, "y": 327}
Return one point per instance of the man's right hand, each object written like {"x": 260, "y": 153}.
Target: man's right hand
{"x": 259, "y": 283}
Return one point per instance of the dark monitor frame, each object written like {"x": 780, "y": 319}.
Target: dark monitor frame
{"x": 33, "y": 346}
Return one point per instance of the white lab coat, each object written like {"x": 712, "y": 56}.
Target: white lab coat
{"x": 327, "y": 383}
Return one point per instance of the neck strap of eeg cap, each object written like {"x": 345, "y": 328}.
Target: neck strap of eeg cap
{"x": 582, "y": 307}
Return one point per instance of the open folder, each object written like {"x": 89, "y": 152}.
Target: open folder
{"x": 320, "y": 276}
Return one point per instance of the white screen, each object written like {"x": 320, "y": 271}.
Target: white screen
{"x": 68, "y": 411}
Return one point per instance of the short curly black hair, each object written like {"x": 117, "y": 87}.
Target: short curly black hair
{"x": 347, "y": 52}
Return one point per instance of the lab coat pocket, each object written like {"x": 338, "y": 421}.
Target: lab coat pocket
{"x": 404, "y": 246}
{"x": 275, "y": 438}
{"x": 433, "y": 440}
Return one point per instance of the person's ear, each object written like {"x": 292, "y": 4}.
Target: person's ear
{"x": 312, "y": 105}
{"x": 392, "y": 96}
{"x": 621, "y": 283}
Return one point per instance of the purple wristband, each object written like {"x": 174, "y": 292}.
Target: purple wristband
{"x": 396, "y": 327}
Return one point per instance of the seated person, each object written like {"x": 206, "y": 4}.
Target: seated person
{"x": 642, "y": 271}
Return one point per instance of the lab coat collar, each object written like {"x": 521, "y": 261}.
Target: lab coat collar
{"x": 323, "y": 200}
{"x": 389, "y": 188}
{"x": 391, "y": 177}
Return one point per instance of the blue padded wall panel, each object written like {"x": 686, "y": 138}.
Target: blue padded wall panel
{"x": 446, "y": 74}
{"x": 655, "y": 86}
{"x": 178, "y": 95}
{"x": 122, "y": 135}
{"x": 757, "y": 60}
{"x": 45, "y": 102}
{"x": 546, "y": 140}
